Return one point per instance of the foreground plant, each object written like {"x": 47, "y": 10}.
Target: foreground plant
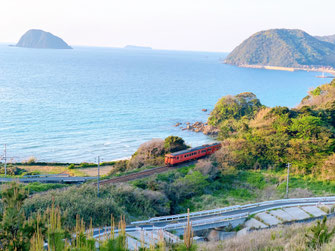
{"x": 15, "y": 231}
{"x": 320, "y": 234}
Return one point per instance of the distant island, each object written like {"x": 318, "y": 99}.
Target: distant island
{"x": 40, "y": 39}
{"x": 136, "y": 47}
{"x": 284, "y": 49}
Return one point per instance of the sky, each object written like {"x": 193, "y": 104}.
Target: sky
{"x": 197, "y": 25}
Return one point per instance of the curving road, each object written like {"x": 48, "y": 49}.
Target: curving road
{"x": 207, "y": 219}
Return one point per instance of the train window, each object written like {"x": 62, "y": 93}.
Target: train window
{"x": 177, "y": 157}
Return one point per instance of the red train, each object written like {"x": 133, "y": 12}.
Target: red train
{"x": 191, "y": 154}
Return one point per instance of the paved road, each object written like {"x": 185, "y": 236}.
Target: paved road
{"x": 68, "y": 179}
{"x": 49, "y": 179}
{"x": 219, "y": 216}
{"x": 251, "y": 210}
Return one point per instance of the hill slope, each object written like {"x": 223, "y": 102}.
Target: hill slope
{"x": 41, "y": 40}
{"x": 330, "y": 39}
{"x": 268, "y": 138}
{"x": 283, "y": 48}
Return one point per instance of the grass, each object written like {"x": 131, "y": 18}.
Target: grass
{"x": 53, "y": 169}
{"x": 317, "y": 187}
{"x": 130, "y": 171}
{"x": 37, "y": 187}
{"x": 292, "y": 237}
{"x": 253, "y": 186}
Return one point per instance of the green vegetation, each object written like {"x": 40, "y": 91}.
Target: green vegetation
{"x": 37, "y": 187}
{"x": 319, "y": 234}
{"x": 201, "y": 186}
{"x": 83, "y": 201}
{"x": 174, "y": 144}
{"x": 149, "y": 154}
{"x": 17, "y": 232}
{"x": 285, "y": 48}
{"x": 268, "y": 138}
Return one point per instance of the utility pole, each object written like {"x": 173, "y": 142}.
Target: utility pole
{"x": 98, "y": 174}
{"x": 5, "y": 157}
{"x": 288, "y": 178}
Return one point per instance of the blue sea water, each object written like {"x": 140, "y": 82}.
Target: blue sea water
{"x": 73, "y": 105}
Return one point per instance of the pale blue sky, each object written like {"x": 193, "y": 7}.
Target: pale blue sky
{"x": 211, "y": 25}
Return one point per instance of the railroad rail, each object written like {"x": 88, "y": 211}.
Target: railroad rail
{"x": 134, "y": 176}
{"x": 143, "y": 174}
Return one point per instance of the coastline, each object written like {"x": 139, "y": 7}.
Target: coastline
{"x": 292, "y": 69}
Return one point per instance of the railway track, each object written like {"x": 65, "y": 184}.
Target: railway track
{"x": 143, "y": 174}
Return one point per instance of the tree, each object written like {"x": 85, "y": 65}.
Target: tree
{"x": 174, "y": 144}
{"x": 14, "y": 231}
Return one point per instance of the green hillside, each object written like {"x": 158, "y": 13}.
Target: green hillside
{"x": 268, "y": 138}
{"x": 283, "y": 48}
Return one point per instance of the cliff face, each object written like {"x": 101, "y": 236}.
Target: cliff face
{"x": 41, "y": 40}
{"x": 283, "y": 48}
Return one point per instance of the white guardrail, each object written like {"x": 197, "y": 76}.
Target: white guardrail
{"x": 218, "y": 219}
{"x": 232, "y": 208}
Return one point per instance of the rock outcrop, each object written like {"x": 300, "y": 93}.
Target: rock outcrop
{"x": 202, "y": 127}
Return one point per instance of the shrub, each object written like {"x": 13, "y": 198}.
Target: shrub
{"x": 11, "y": 170}
{"x": 328, "y": 168}
{"x": 174, "y": 144}
{"x": 234, "y": 107}
{"x": 207, "y": 168}
{"x": 87, "y": 165}
{"x": 319, "y": 234}
{"x": 119, "y": 166}
{"x": 71, "y": 166}
{"x": 148, "y": 154}
{"x": 31, "y": 160}
{"x": 117, "y": 200}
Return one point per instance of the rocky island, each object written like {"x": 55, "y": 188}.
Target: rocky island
{"x": 40, "y": 39}
{"x": 284, "y": 49}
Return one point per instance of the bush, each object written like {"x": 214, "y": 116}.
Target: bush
{"x": 87, "y": 165}
{"x": 11, "y": 170}
{"x": 174, "y": 144}
{"x": 207, "y": 168}
{"x": 30, "y": 161}
{"x": 116, "y": 200}
{"x": 320, "y": 234}
{"x": 234, "y": 107}
{"x": 119, "y": 166}
{"x": 71, "y": 166}
{"x": 148, "y": 154}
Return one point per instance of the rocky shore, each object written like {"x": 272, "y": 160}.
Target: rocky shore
{"x": 199, "y": 127}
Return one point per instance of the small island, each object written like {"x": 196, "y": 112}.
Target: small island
{"x": 40, "y": 39}
{"x": 136, "y": 47}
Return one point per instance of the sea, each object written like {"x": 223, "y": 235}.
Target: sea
{"x": 75, "y": 105}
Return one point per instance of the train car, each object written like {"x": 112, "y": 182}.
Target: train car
{"x": 191, "y": 154}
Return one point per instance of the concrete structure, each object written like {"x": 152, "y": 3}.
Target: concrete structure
{"x": 315, "y": 211}
{"x": 268, "y": 219}
{"x": 282, "y": 215}
{"x": 253, "y": 223}
{"x": 297, "y": 213}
